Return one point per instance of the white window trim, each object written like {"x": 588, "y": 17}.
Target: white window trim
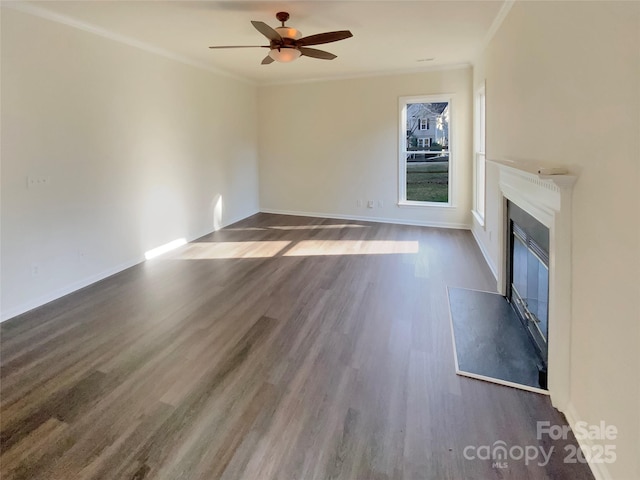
{"x": 479, "y": 213}
{"x": 402, "y": 162}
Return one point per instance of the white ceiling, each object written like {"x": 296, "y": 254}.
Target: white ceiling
{"x": 389, "y": 36}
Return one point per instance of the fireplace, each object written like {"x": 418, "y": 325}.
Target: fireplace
{"x": 546, "y": 198}
{"x": 528, "y": 285}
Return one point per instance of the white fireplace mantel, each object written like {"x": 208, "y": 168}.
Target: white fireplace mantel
{"x": 548, "y": 199}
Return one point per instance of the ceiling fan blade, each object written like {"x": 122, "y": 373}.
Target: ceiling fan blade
{"x": 267, "y": 31}
{"x": 241, "y": 46}
{"x": 320, "y": 38}
{"x": 267, "y": 60}
{"x": 315, "y": 53}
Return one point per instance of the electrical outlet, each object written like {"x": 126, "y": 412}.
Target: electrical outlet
{"x": 380, "y": 203}
{"x": 370, "y": 204}
{"x": 359, "y": 203}
{"x": 33, "y": 182}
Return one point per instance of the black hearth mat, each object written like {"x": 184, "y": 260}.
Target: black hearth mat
{"x": 490, "y": 343}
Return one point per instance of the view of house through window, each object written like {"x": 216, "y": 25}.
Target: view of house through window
{"x": 424, "y": 156}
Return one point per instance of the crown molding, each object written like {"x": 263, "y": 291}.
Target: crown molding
{"x": 28, "y": 8}
{"x": 495, "y": 25}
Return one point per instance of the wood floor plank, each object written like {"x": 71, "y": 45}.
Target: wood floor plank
{"x": 280, "y": 347}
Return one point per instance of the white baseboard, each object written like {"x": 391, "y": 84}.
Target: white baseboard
{"x": 486, "y": 256}
{"x": 91, "y": 279}
{"x": 67, "y": 289}
{"x": 237, "y": 219}
{"x": 396, "y": 221}
{"x": 599, "y": 470}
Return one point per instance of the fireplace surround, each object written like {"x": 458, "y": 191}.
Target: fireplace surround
{"x": 547, "y": 198}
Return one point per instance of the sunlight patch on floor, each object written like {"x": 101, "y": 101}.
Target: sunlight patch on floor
{"x": 221, "y": 250}
{"x": 247, "y": 229}
{"x": 315, "y": 227}
{"x": 352, "y": 247}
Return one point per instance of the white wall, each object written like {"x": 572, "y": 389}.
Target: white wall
{"x": 563, "y": 87}
{"x": 325, "y": 145}
{"x": 137, "y": 148}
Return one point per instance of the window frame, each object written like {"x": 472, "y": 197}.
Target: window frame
{"x": 402, "y": 149}
{"x": 480, "y": 155}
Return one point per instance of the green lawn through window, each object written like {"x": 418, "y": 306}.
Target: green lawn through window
{"x": 428, "y": 182}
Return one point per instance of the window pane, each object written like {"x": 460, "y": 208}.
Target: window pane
{"x": 427, "y": 152}
{"x": 420, "y": 117}
{"x": 427, "y": 179}
{"x": 480, "y": 172}
{"x": 482, "y": 114}
{"x": 479, "y": 165}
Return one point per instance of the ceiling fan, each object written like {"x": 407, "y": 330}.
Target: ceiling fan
{"x": 287, "y": 43}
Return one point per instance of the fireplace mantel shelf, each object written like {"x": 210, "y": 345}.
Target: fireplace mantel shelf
{"x": 530, "y": 171}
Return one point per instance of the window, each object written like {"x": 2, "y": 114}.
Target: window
{"x": 425, "y": 162}
{"x": 424, "y": 124}
{"x": 479, "y": 164}
{"x": 424, "y": 142}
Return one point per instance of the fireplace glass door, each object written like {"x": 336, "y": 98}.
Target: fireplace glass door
{"x": 530, "y": 286}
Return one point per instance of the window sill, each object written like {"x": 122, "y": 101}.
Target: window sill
{"x": 479, "y": 218}
{"x": 407, "y": 203}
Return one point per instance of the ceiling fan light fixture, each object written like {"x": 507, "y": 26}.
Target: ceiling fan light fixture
{"x": 289, "y": 32}
{"x": 287, "y": 43}
{"x": 284, "y": 54}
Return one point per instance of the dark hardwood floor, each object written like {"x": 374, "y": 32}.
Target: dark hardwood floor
{"x": 279, "y": 348}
